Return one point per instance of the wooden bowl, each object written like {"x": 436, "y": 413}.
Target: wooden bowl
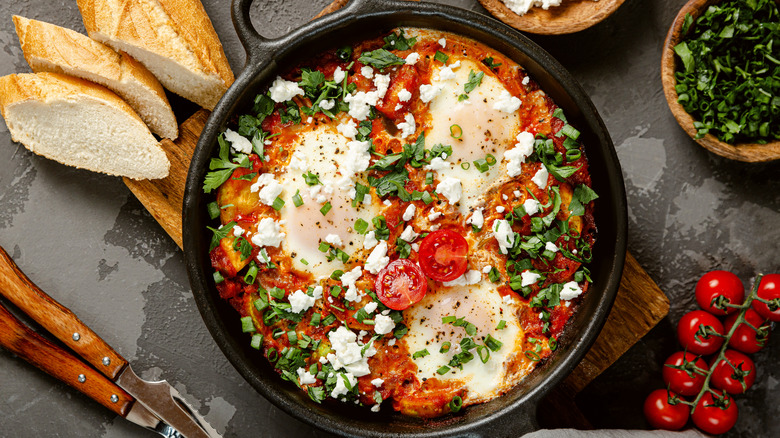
{"x": 571, "y": 16}
{"x": 748, "y": 152}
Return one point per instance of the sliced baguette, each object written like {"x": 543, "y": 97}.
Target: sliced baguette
{"x": 50, "y": 48}
{"x": 81, "y": 124}
{"x": 174, "y": 39}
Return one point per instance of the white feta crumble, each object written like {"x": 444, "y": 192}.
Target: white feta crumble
{"x": 378, "y": 259}
{"x": 451, "y": 189}
{"x": 408, "y": 234}
{"x": 409, "y": 212}
{"x": 517, "y": 155}
{"x": 442, "y": 42}
{"x": 504, "y": 197}
{"x": 338, "y": 74}
{"x": 300, "y": 301}
{"x": 298, "y": 161}
{"x": 447, "y": 73}
{"x": 317, "y": 292}
{"x": 381, "y": 82}
{"x": 477, "y": 218}
{"x": 434, "y": 215}
{"x": 238, "y": 142}
{"x": 348, "y": 280}
{"x": 305, "y": 377}
{"x": 323, "y": 360}
{"x": 412, "y": 58}
{"x": 540, "y": 177}
{"x": 383, "y": 325}
{"x": 416, "y": 247}
{"x": 347, "y": 129}
{"x": 316, "y": 195}
{"x": 387, "y": 202}
{"x": 360, "y": 103}
{"x": 516, "y": 193}
{"x": 487, "y": 269}
{"x": 528, "y": 278}
{"x": 429, "y": 92}
{"x": 283, "y": 90}
{"x": 438, "y": 163}
{"x": 327, "y": 104}
{"x": 570, "y": 291}
{"x": 500, "y": 209}
{"x": 378, "y": 382}
{"x": 370, "y": 240}
{"x": 238, "y": 231}
{"x": 549, "y": 246}
{"x": 369, "y": 308}
{"x": 334, "y": 239}
{"x": 270, "y": 192}
{"x": 348, "y": 352}
{"x": 531, "y": 206}
{"x": 508, "y": 299}
{"x": 341, "y": 387}
{"x": 268, "y": 233}
{"x": 504, "y": 235}
{"x": 507, "y": 103}
{"x": 357, "y": 158}
{"x": 407, "y": 127}
{"x": 367, "y": 72}
{"x": 467, "y": 279}
{"x": 526, "y": 80}
{"x": 404, "y": 95}
{"x": 391, "y": 342}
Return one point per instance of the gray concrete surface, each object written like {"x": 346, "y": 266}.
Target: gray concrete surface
{"x": 88, "y": 242}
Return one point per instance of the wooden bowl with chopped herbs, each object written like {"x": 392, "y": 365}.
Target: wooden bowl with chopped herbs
{"x": 720, "y": 69}
{"x": 568, "y": 17}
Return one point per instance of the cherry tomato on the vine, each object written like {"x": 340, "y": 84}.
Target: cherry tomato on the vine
{"x": 717, "y": 287}
{"x": 444, "y": 255}
{"x": 400, "y": 284}
{"x": 715, "y": 416}
{"x": 663, "y": 415}
{"x": 745, "y": 339}
{"x": 768, "y": 289}
{"x": 700, "y": 332}
{"x": 730, "y": 373}
{"x": 684, "y": 380}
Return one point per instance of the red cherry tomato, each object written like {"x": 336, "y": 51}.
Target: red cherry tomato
{"x": 685, "y": 380}
{"x": 444, "y": 255}
{"x": 768, "y": 289}
{"x": 716, "y": 284}
{"x": 400, "y": 284}
{"x": 715, "y": 416}
{"x": 729, "y": 374}
{"x": 698, "y": 332}
{"x": 745, "y": 339}
{"x": 662, "y": 415}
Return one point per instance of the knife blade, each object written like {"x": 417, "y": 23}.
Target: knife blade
{"x": 154, "y": 405}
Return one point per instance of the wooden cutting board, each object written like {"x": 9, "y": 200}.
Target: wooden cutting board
{"x": 639, "y": 305}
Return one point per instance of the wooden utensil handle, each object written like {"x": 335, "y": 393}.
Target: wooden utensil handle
{"x": 57, "y": 319}
{"x": 33, "y": 348}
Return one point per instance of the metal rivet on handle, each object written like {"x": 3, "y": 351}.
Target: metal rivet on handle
{"x": 114, "y": 398}
{"x": 82, "y": 378}
{"x": 106, "y": 361}
{"x": 76, "y": 337}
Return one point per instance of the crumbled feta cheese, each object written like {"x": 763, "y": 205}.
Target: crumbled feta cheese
{"x": 412, "y": 58}
{"x": 409, "y": 212}
{"x": 269, "y": 193}
{"x": 383, "y": 325}
{"x": 317, "y": 292}
{"x": 305, "y": 377}
{"x": 404, "y": 95}
{"x": 238, "y": 231}
{"x": 323, "y": 360}
{"x": 434, "y": 215}
{"x": 338, "y": 74}
{"x": 531, "y": 206}
{"x": 315, "y": 195}
{"x": 309, "y": 120}
{"x": 442, "y": 42}
{"x": 416, "y": 247}
{"x": 516, "y": 193}
{"x": 540, "y": 177}
{"x": 282, "y": 90}
{"x": 360, "y": 103}
{"x": 408, "y": 234}
{"x": 378, "y": 259}
{"x": 238, "y": 142}
{"x": 549, "y": 246}
{"x": 508, "y": 298}
{"x": 387, "y": 202}
{"x": 357, "y": 158}
{"x": 370, "y": 240}
{"x": 299, "y": 301}
{"x": 570, "y": 291}
{"x": 376, "y": 407}
{"x": 348, "y": 280}
{"x": 429, "y": 92}
{"x": 507, "y": 103}
{"x": 451, "y": 189}
{"x": 487, "y": 269}
{"x": 476, "y": 219}
{"x": 334, "y": 239}
{"x": 504, "y": 197}
{"x": 468, "y": 278}
{"x": 381, "y": 82}
{"x": 438, "y": 163}
{"x": 377, "y": 382}
{"x": 367, "y": 72}
{"x": 504, "y": 235}
{"x": 447, "y": 73}
{"x": 528, "y": 278}
{"x": 327, "y": 104}
{"x": 268, "y": 233}
{"x": 341, "y": 387}
{"x": 407, "y": 127}
{"x": 298, "y": 161}
{"x": 517, "y": 155}
{"x": 347, "y": 129}
{"x": 348, "y": 352}
{"x": 369, "y": 308}
{"x": 526, "y": 80}
{"x": 500, "y": 209}
{"x": 391, "y": 342}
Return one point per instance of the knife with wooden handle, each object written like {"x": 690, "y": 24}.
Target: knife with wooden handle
{"x": 109, "y": 380}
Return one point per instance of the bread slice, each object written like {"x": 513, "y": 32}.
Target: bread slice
{"x": 50, "y": 48}
{"x": 81, "y": 124}
{"x": 174, "y": 39}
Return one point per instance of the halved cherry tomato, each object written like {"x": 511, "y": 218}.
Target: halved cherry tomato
{"x": 400, "y": 284}
{"x": 715, "y": 416}
{"x": 684, "y": 380}
{"x": 663, "y": 415}
{"x": 730, "y": 374}
{"x": 700, "y": 332}
{"x": 444, "y": 255}
{"x": 745, "y": 339}
{"x": 716, "y": 284}
{"x": 768, "y": 289}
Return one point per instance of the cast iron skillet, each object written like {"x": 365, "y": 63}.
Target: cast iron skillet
{"x": 511, "y": 414}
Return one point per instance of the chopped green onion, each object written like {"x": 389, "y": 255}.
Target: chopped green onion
{"x": 297, "y": 200}
{"x": 326, "y": 208}
{"x": 336, "y": 275}
{"x": 247, "y": 325}
{"x": 569, "y": 131}
{"x": 361, "y": 226}
{"x": 213, "y": 209}
{"x": 315, "y": 319}
{"x": 456, "y": 132}
{"x": 251, "y": 273}
{"x": 444, "y": 369}
{"x": 445, "y": 347}
{"x": 442, "y": 57}
{"x": 305, "y": 262}
{"x": 421, "y": 353}
{"x": 257, "y": 341}
{"x": 456, "y": 403}
{"x": 483, "y": 353}
{"x": 278, "y": 204}
{"x": 501, "y": 325}
{"x": 218, "y": 278}
{"x": 465, "y": 165}
{"x": 493, "y": 344}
